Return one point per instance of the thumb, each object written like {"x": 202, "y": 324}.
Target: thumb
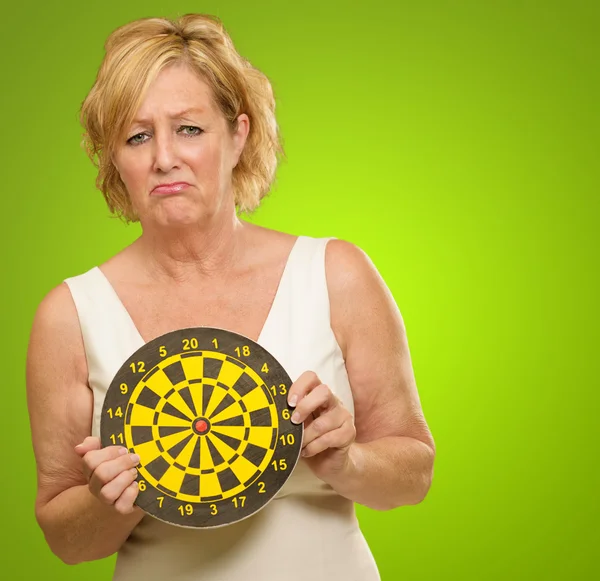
{"x": 89, "y": 444}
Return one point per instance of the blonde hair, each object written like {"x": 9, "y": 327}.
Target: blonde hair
{"x": 135, "y": 53}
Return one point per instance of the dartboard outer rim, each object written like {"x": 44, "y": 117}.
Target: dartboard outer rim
{"x": 299, "y": 428}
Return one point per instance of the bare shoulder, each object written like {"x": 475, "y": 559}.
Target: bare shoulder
{"x": 347, "y": 263}
{"x": 55, "y": 332}
{"x": 56, "y": 313}
{"x": 356, "y": 289}
{"x": 268, "y": 237}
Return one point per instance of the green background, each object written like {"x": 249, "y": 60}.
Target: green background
{"x": 456, "y": 143}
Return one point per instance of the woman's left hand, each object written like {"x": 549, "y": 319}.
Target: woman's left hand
{"x": 329, "y": 429}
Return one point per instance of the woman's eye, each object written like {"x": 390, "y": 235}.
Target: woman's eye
{"x": 190, "y": 130}
{"x": 186, "y": 130}
{"x": 135, "y": 139}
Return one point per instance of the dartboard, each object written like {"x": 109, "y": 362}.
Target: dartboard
{"x": 206, "y": 411}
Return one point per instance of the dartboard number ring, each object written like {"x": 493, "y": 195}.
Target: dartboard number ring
{"x": 206, "y": 411}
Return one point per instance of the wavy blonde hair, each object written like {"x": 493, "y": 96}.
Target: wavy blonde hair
{"x": 135, "y": 53}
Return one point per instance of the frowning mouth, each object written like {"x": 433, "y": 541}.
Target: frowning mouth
{"x": 172, "y": 188}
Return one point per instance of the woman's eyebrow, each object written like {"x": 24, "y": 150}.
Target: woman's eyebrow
{"x": 177, "y": 115}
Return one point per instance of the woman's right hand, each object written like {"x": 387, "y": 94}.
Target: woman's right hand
{"x": 110, "y": 473}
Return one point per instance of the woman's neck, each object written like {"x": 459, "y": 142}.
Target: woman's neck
{"x": 179, "y": 254}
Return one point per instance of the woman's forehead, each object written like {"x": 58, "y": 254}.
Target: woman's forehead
{"x": 179, "y": 114}
{"x": 176, "y": 96}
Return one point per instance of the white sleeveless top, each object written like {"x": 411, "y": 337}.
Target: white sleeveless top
{"x": 307, "y": 531}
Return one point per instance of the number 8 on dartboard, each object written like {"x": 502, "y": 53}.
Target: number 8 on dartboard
{"x": 206, "y": 411}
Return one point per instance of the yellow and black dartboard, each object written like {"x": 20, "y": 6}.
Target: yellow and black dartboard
{"x": 206, "y": 410}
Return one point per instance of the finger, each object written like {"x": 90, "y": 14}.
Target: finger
{"x": 111, "y": 469}
{"x": 320, "y": 397}
{"x": 95, "y": 458}
{"x": 124, "y": 503}
{"x": 303, "y": 385}
{"x": 324, "y": 423}
{"x": 340, "y": 439}
{"x": 110, "y": 492}
{"x": 308, "y": 421}
{"x": 90, "y": 443}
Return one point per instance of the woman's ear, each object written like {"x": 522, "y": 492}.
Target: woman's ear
{"x": 112, "y": 160}
{"x": 240, "y": 135}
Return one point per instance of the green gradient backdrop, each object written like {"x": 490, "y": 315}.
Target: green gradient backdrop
{"x": 456, "y": 142}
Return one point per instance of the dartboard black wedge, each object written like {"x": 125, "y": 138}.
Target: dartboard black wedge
{"x": 206, "y": 411}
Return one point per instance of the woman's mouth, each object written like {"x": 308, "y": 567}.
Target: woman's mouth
{"x": 172, "y": 188}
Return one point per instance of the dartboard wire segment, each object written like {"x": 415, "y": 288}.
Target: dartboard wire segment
{"x": 206, "y": 411}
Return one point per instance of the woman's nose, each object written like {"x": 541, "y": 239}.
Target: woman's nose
{"x": 165, "y": 154}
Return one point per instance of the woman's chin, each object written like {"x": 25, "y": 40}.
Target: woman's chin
{"x": 177, "y": 211}
{"x": 179, "y": 219}
{"x": 179, "y": 214}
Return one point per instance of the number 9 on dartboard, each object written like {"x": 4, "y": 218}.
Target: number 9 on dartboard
{"x": 206, "y": 411}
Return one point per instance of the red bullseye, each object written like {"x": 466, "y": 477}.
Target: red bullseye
{"x": 201, "y": 426}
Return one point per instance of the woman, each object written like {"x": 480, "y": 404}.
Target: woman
{"x": 184, "y": 135}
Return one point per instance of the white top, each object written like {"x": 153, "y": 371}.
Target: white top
{"x": 307, "y": 531}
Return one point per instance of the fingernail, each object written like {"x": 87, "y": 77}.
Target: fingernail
{"x": 134, "y": 458}
{"x": 122, "y": 451}
{"x": 293, "y": 400}
{"x": 295, "y": 417}
{"x": 134, "y": 471}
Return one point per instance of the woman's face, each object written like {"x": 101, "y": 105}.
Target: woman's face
{"x": 177, "y": 157}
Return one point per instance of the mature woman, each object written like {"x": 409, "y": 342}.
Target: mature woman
{"x": 184, "y": 135}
